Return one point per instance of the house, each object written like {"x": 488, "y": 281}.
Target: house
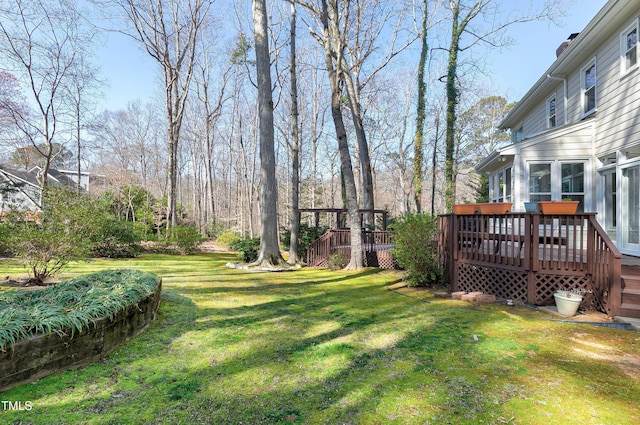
{"x": 24, "y": 186}
{"x": 576, "y": 132}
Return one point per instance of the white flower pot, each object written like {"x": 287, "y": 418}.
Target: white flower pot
{"x": 567, "y": 303}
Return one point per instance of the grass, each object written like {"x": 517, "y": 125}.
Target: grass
{"x": 313, "y": 347}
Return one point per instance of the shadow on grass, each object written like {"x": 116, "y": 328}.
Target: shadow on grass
{"x": 339, "y": 348}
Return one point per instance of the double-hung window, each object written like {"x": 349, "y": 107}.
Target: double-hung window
{"x": 551, "y": 112}
{"x": 629, "y": 48}
{"x": 588, "y": 83}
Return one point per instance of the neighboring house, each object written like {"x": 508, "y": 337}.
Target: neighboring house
{"x": 26, "y": 186}
{"x": 576, "y": 132}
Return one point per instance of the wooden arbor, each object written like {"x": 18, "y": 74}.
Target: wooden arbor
{"x": 339, "y": 216}
{"x": 376, "y": 244}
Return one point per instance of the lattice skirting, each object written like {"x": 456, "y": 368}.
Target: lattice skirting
{"x": 504, "y": 284}
{"x": 380, "y": 259}
{"x": 510, "y": 284}
{"x": 547, "y": 284}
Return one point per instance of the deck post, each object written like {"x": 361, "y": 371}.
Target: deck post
{"x": 532, "y": 266}
{"x": 453, "y": 243}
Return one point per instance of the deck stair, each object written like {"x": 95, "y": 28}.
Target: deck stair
{"x": 630, "y": 277}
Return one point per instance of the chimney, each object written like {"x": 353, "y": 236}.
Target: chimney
{"x": 565, "y": 44}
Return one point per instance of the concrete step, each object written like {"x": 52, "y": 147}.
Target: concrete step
{"x": 634, "y": 322}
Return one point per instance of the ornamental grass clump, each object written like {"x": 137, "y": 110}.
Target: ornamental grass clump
{"x": 71, "y": 306}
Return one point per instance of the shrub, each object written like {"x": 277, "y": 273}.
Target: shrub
{"x": 62, "y": 233}
{"x": 306, "y": 235}
{"x": 227, "y": 238}
{"x": 116, "y": 239}
{"x": 415, "y": 248}
{"x": 71, "y": 305}
{"x": 337, "y": 261}
{"x": 247, "y": 248}
{"x": 5, "y": 238}
{"x": 187, "y": 238}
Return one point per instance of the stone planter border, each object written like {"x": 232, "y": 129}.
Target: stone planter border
{"x": 41, "y": 355}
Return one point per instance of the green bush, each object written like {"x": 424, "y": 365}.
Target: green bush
{"x": 306, "y": 235}
{"x": 5, "y": 238}
{"x": 415, "y": 250}
{"x": 70, "y": 305}
{"x": 247, "y": 249}
{"x": 63, "y": 232}
{"x": 116, "y": 239}
{"x": 187, "y": 238}
{"x": 337, "y": 261}
{"x": 227, "y": 238}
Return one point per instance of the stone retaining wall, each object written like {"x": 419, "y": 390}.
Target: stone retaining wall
{"x": 42, "y": 355}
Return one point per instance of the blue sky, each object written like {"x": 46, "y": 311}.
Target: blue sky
{"x": 132, "y": 74}
{"x": 516, "y": 69}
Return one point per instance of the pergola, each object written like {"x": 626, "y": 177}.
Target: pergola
{"x": 340, "y": 215}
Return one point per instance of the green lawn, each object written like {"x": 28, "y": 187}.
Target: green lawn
{"x": 318, "y": 347}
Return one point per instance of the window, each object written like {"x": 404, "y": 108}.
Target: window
{"x": 540, "y": 182}
{"x": 573, "y": 182}
{"x": 588, "y": 82}
{"x": 551, "y": 112}
{"x": 500, "y": 186}
{"x": 629, "y": 48}
{"x": 517, "y": 136}
{"x": 555, "y": 180}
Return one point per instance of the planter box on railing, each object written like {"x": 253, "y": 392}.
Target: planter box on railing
{"x": 465, "y": 209}
{"x": 558, "y": 207}
{"x": 495, "y": 207}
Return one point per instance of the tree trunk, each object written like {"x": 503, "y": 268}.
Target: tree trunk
{"x": 295, "y": 148}
{"x": 330, "y": 17}
{"x": 434, "y": 163}
{"x": 420, "y": 115}
{"x": 363, "y": 146}
{"x": 269, "y": 253}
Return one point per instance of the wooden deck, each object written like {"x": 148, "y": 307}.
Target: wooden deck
{"x": 528, "y": 256}
{"x": 376, "y": 247}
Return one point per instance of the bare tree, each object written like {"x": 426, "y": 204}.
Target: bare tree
{"x": 42, "y": 42}
{"x": 331, "y": 15}
{"x": 269, "y": 253}
{"x": 463, "y": 15}
{"x": 212, "y": 100}
{"x": 418, "y": 148}
{"x": 367, "y": 21}
{"x": 81, "y": 92}
{"x": 295, "y": 145}
{"x": 169, "y": 31}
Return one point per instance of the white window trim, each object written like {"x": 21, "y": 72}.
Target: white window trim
{"x": 583, "y": 88}
{"x": 623, "y": 48}
{"x": 503, "y": 196}
{"x": 555, "y": 114}
{"x": 556, "y": 180}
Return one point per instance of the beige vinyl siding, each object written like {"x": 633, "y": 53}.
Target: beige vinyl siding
{"x": 574, "y": 104}
{"x": 536, "y": 121}
{"x": 575, "y": 145}
{"x": 619, "y": 101}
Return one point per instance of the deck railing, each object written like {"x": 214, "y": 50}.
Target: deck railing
{"x": 527, "y": 256}
{"x": 376, "y": 247}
